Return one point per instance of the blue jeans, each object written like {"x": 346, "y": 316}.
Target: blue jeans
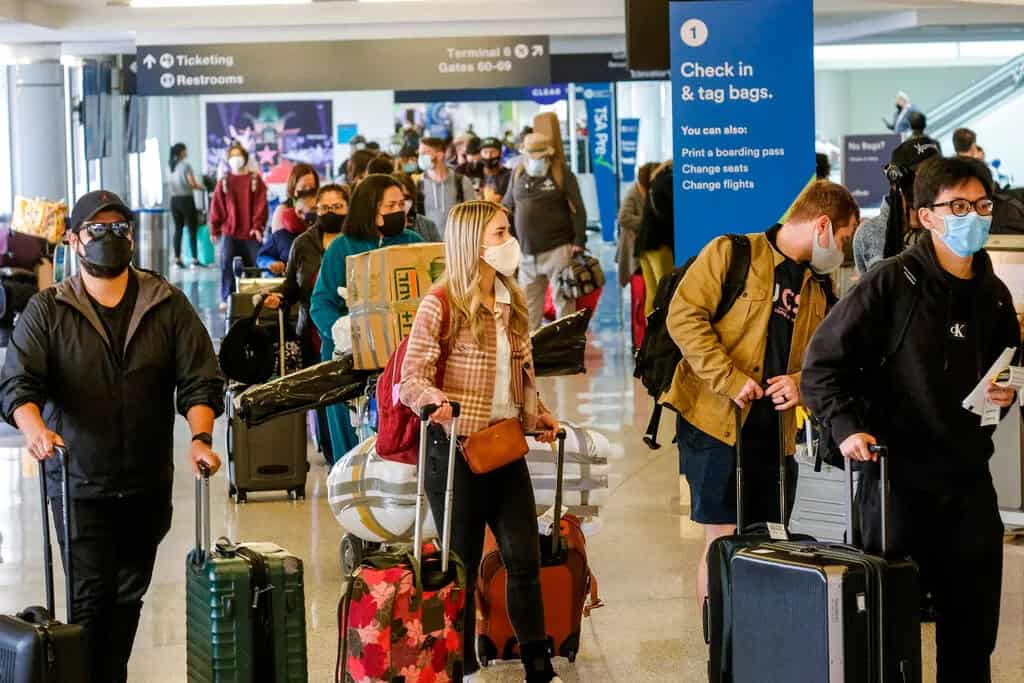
{"x": 230, "y": 248}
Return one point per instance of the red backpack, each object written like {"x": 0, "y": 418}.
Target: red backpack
{"x": 398, "y": 427}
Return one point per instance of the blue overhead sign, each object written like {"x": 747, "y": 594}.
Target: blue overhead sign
{"x": 742, "y": 113}
{"x": 541, "y": 94}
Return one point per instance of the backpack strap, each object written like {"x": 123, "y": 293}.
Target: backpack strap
{"x": 735, "y": 277}
{"x": 460, "y": 191}
{"x": 903, "y": 304}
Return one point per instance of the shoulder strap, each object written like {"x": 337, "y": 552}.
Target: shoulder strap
{"x": 735, "y": 277}
{"x": 446, "y": 348}
{"x": 460, "y": 191}
{"x": 904, "y": 302}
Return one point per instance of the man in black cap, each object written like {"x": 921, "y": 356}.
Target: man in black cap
{"x": 472, "y": 167}
{"x": 494, "y": 184}
{"x": 98, "y": 363}
{"x": 897, "y": 226}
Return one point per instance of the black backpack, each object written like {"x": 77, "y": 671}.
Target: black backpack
{"x": 1008, "y": 212}
{"x": 658, "y": 356}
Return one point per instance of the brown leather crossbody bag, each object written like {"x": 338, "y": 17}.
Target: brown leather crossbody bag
{"x": 501, "y": 444}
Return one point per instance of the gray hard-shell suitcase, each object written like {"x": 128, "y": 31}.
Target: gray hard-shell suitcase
{"x": 818, "y": 612}
{"x": 34, "y": 646}
{"x": 270, "y": 456}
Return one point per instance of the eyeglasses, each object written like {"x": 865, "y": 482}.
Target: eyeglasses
{"x": 100, "y": 230}
{"x": 962, "y": 207}
{"x": 330, "y": 208}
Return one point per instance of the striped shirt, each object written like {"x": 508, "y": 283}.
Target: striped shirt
{"x": 470, "y": 371}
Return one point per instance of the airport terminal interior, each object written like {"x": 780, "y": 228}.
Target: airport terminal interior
{"x": 98, "y": 95}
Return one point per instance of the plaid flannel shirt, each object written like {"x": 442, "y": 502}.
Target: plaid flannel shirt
{"x": 469, "y": 371}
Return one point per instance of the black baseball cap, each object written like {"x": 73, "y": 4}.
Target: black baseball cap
{"x": 493, "y": 143}
{"x": 97, "y": 201}
{"x": 915, "y": 151}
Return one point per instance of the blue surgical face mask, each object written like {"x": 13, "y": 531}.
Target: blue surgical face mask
{"x": 966, "y": 235}
{"x": 410, "y": 167}
{"x": 426, "y": 162}
{"x": 538, "y": 168}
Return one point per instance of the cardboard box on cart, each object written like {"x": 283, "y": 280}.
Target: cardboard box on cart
{"x": 385, "y": 287}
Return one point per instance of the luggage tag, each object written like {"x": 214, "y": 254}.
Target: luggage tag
{"x": 777, "y": 532}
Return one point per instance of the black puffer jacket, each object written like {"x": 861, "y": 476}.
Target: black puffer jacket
{"x": 854, "y": 381}
{"x": 116, "y": 417}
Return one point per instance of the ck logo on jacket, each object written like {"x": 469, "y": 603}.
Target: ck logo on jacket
{"x": 958, "y": 330}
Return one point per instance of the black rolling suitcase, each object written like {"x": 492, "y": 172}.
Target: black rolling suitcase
{"x": 34, "y": 646}
{"x": 806, "y": 613}
{"x": 718, "y": 603}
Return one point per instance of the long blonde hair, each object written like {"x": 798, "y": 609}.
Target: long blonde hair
{"x": 463, "y": 236}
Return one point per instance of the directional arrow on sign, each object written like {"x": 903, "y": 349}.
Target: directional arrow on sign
{"x": 149, "y": 61}
{"x": 538, "y": 50}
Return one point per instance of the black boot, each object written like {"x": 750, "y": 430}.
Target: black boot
{"x": 537, "y": 662}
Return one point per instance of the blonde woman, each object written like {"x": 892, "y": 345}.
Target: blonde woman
{"x": 489, "y": 370}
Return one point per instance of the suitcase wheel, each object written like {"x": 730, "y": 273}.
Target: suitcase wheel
{"x": 486, "y": 652}
{"x": 241, "y": 496}
{"x": 352, "y": 553}
{"x": 295, "y": 494}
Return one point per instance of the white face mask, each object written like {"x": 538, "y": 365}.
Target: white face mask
{"x": 826, "y": 259}
{"x": 504, "y": 258}
{"x": 236, "y": 163}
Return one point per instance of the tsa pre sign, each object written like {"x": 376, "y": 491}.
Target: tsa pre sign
{"x": 742, "y": 114}
{"x": 600, "y": 117}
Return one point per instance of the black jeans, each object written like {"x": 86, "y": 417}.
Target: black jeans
{"x": 502, "y": 500}
{"x": 183, "y": 210}
{"x": 113, "y": 549}
{"x": 956, "y": 537}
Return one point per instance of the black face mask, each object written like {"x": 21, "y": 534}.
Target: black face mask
{"x": 107, "y": 257}
{"x": 394, "y": 223}
{"x": 492, "y": 163}
{"x": 331, "y": 222}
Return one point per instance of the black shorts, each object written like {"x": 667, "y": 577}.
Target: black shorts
{"x": 710, "y": 470}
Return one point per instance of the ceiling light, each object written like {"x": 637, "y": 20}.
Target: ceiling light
{"x": 149, "y": 4}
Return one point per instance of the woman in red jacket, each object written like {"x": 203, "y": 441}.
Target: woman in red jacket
{"x": 238, "y": 214}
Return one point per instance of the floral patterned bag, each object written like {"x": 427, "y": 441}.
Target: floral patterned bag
{"x": 402, "y": 612}
{"x": 393, "y": 630}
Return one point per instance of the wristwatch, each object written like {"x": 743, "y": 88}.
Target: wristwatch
{"x": 204, "y": 437}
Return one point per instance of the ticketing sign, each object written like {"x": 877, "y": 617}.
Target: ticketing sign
{"x": 318, "y": 66}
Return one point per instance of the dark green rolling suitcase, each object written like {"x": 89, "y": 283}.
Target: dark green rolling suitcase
{"x": 246, "y": 620}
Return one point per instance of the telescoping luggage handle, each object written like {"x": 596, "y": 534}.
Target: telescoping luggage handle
{"x": 202, "y": 515}
{"x": 556, "y": 532}
{"x": 421, "y": 496}
{"x": 258, "y": 301}
{"x": 65, "y": 494}
{"x": 883, "y": 461}
{"x": 740, "y": 522}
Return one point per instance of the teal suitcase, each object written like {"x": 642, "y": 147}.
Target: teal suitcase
{"x": 245, "y": 612}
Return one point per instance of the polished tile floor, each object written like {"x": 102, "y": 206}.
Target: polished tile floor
{"x": 644, "y": 555}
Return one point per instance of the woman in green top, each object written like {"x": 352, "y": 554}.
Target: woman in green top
{"x": 376, "y": 218}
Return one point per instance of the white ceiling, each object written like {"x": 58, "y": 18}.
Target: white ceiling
{"x": 570, "y": 21}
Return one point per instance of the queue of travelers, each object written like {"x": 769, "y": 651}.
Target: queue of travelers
{"x": 508, "y": 233}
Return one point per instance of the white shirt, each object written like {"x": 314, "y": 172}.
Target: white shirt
{"x": 502, "y": 407}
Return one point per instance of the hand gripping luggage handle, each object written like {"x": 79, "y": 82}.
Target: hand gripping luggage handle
{"x": 202, "y": 514}
{"x": 740, "y": 522}
{"x": 883, "y": 461}
{"x": 65, "y": 494}
{"x": 453, "y": 446}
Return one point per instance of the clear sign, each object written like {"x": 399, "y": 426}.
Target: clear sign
{"x": 498, "y": 62}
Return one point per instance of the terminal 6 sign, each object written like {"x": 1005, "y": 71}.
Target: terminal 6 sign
{"x": 434, "y": 63}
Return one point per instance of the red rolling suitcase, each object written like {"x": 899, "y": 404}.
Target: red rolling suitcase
{"x": 34, "y": 646}
{"x": 401, "y": 614}
{"x": 804, "y": 613}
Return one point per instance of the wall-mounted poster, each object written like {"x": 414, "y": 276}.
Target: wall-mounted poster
{"x": 278, "y": 135}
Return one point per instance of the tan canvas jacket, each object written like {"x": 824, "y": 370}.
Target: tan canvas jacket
{"x": 718, "y": 359}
